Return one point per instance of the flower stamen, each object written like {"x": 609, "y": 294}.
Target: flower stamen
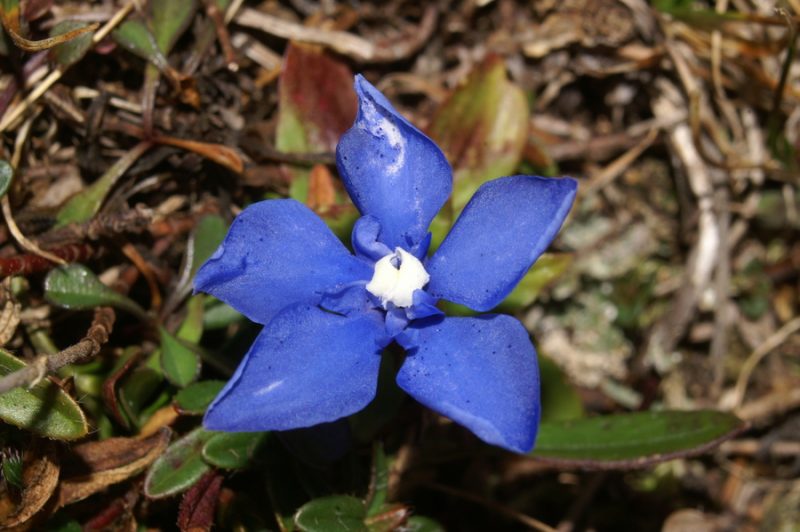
{"x": 397, "y": 276}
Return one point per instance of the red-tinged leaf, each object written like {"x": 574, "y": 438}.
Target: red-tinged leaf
{"x": 198, "y": 504}
{"x": 317, "y": 102}
{"x": 482, "y": 128}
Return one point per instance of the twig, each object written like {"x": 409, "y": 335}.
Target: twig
{"x": 342, "y": 41}
{"x": 773, "y": 404}
{"x": 703, "y": 256}
{"x": 224, "y": 38}
{"x": 22, "y": 240}
{"x": 96, "y": 336}
{"x": 32, "y": 97}
{"x": 752, "y": 446}
{"x": 770, "y": 344}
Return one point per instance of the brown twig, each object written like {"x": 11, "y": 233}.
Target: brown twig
{"x": 96, "y": 336}
{"x": 343, "y": 42}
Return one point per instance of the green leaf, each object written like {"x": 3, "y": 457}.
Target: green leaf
{"x": 338, "y": 513}
{"x": 138, "y": 392}
{"x": 635, "y": 439}
{"x": 72, "y": 51}
{"x": 482, "y": 129}
{"x": 191, "y": 330}
{"x": 547, "y": 269}
{"x": 219, "y": 315}
{"x": 560, "y": 400}
{"x": 6, "y": 176}
{"x": 419, "y": 523}
{"x": 180, "y": 363}
{"x": 195, "y": 398}
{"x": 44, "y": 409}
{"x": 233, "y": 450}
{"x": 12, "y": 468}
{"x": 179, "y": 467}
{"x": 84, "y": 205}
{"x": 169, "y": 21}
{"x": 75, "y": 286}
{"x": 379, "y": 483}
{"x": 136, "y": 37}
{"x": 207, "y": 237}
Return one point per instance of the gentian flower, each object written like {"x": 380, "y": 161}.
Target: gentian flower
{"x": 328, "y": 313}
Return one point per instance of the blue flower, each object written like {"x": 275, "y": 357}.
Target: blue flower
{"x": 328, "y": 313}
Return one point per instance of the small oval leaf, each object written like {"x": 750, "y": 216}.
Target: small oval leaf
{"x": 338, "y": 513}
{"x": 233, "y": 450}
{"x": 84, "y": 205}
{"x": 195, "y": 398}
{"x": 179, "y": 467}
{"x": 6, "y": 176}
{"x": 639, "y": 439}
{"x": 181, "y": 364}
{"x": 75, "y": 286}
{"x": 44, "y": 409}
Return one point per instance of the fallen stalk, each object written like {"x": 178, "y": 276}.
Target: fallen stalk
{"x": 96, "y": 336}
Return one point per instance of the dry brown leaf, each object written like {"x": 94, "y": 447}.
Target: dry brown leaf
{"x": 40, "y": 477}
{"x": 321, "y": 190}
{"x": 97, "y": 465}
{"x": 163, "y": 417}
{"x": 9, "y": 313}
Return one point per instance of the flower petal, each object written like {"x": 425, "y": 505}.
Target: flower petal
{"x": 503, "y": 229}
{"x": 306, "y": 367}
{"x": 277, "y": 253}
{"x": 480, "y": 372}
{"x": 392, "y": 171}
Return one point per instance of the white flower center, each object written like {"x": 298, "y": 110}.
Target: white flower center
{"x": 396, "y": 277}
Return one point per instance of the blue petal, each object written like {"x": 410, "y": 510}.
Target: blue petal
{"x": 503, "y": 229}
{"x": 277, "y": 253}
{"x": 480, "y": 372}
{"x": 307, "y": 366}
{"x": 392, "y": 171}
{"x": 366, "y": 241}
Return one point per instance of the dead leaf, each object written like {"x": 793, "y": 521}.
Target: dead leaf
{"x": 222, "y": 155}
{"x": 321, "y": 190}
{"x": 94, "y": 466}
{"x": 198, "y": 504}
{"x": 162, "y": 417}
{"x": 39, "y": 477}
{"x": 9, "y": 313}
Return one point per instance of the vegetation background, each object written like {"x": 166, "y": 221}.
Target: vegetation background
{"x": 666, "y": 314}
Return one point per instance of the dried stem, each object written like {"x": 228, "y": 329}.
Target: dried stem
{"x": 96, "y": 336}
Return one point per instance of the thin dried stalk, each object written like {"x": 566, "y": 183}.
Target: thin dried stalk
{"x": 96, "y": 336}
